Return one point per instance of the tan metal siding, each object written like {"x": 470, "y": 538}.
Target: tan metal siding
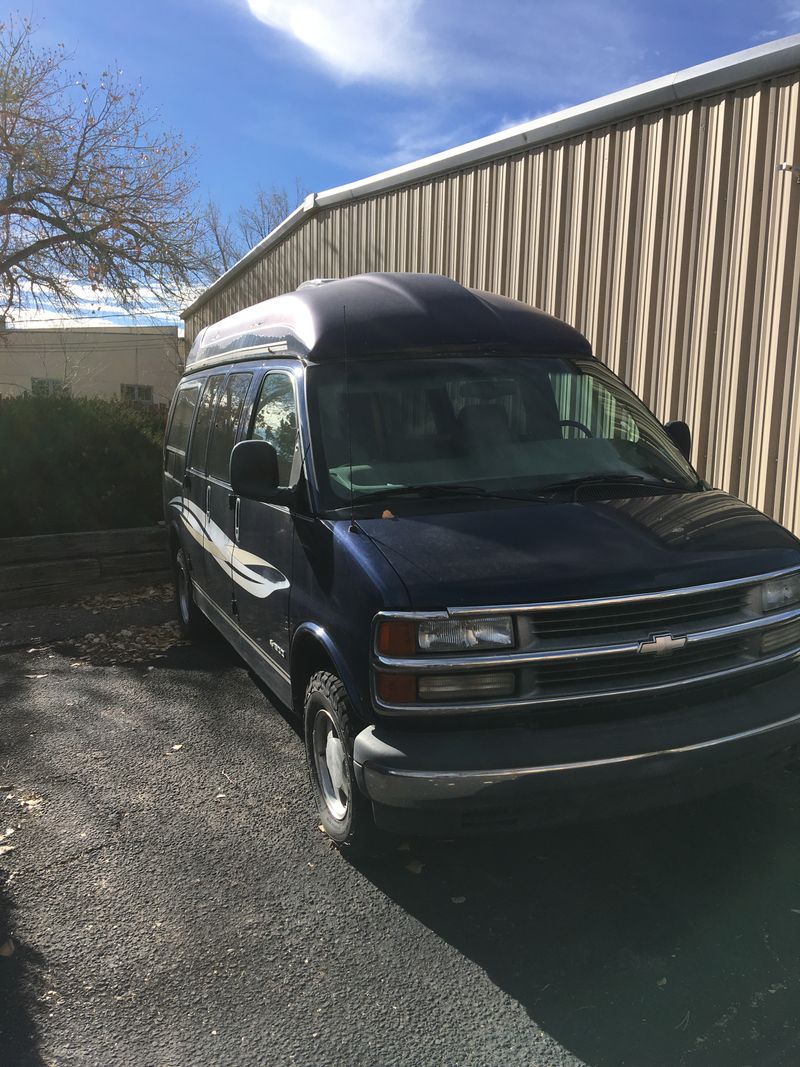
{"x": 669, "y": 239}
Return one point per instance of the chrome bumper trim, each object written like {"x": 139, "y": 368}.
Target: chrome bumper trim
{"x": 408, "y": 788}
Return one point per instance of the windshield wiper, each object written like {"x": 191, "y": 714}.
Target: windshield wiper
{"x": 541, "y": 493}
{"x": 579, "y": 482}
{"x": 432, "y": 490}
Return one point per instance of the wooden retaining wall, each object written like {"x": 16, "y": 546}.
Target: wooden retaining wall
{"x": 59, "y": 567}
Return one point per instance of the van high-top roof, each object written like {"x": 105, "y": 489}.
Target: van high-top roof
{"x": 381, "y": 314}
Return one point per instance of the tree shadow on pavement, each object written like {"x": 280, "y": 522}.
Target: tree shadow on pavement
{"x": 663, "y": 939}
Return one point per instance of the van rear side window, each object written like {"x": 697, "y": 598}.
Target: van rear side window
{"x": 202, "y": 427}
{"x": 178, "y": 435}
{"x": 226, "y": 421}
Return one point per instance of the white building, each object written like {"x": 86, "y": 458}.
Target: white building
{"x": 133, "y": 363}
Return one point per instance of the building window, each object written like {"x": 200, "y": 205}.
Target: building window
{"x": 136, "y": 394}
{"x": 49, "y": 387}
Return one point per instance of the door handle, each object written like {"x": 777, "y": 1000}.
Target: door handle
{"x": 208, "y": 502}
{"x": 187, "y": 481}
{"x": 236, "y": 520}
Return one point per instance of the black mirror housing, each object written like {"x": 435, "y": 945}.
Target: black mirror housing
{"x": 681, "y": 437}
{"x": 254, "y": 471}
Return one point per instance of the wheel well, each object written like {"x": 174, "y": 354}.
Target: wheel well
{"x": 308, "y": 656}
{"x": 174, "y": 543}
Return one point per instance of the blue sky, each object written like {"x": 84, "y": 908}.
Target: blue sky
{"x": 323, "y": 92}
{"x": 327, "y": 91}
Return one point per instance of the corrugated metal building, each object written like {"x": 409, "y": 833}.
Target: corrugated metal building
{"x": 662, "y": 221}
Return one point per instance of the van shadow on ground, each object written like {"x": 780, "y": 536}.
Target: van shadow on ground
{"x": 21, "y": 970}
{"x": 19, "y": 1034}
{"x": 657, "y": 940}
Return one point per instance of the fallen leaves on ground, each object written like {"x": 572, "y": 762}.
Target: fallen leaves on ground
{"x": 160, "y": 593}
{"x": 5, "y": 847}
{"x": 415, "y": 867}
{"x": 134, "y": 644}
{"x": 7, "y": 948}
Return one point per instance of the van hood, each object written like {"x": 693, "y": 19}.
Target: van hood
{"x": 563, "y": 551}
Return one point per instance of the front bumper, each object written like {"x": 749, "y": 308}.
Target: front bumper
{"x": 461, "y": 779}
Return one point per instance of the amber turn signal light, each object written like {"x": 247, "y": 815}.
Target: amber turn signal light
{"x": 397, "y": 638}
{"x": 396, "y": 688}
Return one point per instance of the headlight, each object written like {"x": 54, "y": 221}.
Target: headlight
{"x": 403, "y": 637}
{"x": 780, "y": 593}
{"x": 464, "y": 635}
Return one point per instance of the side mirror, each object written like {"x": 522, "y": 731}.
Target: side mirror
{"x": 254, "y": 471}
{"x": 681, "y": 437}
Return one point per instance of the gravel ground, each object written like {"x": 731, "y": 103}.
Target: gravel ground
{"x": 168, "y": 900}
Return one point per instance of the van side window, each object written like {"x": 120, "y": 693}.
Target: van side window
{"x": 182, "y": 413}
{"x": 202, "y": 426}
{"x": 275, "y": 421}
{"x": 226, "y": 421}
{"x": 179, "y": 428}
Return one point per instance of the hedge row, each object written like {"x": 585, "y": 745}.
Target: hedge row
{"x": 70, "y": 464}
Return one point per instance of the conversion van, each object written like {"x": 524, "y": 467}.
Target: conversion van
{"x": 481, "y": 571}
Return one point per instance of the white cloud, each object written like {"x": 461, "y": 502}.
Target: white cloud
{"x": 414, "y": 136}
{"x": 359, "y": 40}
{"x": 788, "y": 18}
{"x": 468, "y": 45}
{"x": 465, "y": 68}
{"x": 93, "y": 309}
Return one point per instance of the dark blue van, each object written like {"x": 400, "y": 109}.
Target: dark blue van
{"x": 481, "y": 571}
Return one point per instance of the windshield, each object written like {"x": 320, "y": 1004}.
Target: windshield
{"x": 503, "y": 425}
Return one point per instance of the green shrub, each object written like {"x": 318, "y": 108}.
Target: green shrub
{"x": 71, "y": 464}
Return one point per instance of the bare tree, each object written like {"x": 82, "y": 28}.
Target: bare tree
{"x": 269, "y": 208}
{"x": 228, "y": 239}
{"x": 92, "y": 191}
{"x": 223, "y": 244}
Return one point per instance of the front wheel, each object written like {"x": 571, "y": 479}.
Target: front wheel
{"x": 344, "y": 813}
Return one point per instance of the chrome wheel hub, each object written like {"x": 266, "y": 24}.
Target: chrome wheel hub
{"x": 330, "y": 765}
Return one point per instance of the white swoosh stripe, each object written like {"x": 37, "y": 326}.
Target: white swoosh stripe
{"x": 236, "y": 562}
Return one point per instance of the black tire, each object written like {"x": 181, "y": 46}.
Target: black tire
{"x": 344, "y": 812}
{"x": 193, "y": 623}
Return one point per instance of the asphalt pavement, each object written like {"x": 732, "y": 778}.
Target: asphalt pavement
{"x": 168, "y": 900}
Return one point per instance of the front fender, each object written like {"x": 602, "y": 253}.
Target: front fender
{"x": 312, "y": 645}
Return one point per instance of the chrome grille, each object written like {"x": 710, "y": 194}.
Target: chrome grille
{"x": 614, "y": 672}
{"x": 694, "y": 611}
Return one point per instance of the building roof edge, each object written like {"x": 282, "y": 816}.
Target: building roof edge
{"x": 717, "y": 75}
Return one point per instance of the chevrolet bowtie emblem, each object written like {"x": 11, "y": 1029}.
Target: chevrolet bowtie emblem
{"x": 661, "y": 644}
